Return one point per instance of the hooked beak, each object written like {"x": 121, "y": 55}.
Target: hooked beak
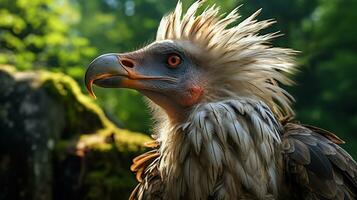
{"x": 118, "y": 71}
{"x": 105, "y": 71}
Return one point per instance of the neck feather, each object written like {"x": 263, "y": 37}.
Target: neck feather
{"x": 224, "y": 149}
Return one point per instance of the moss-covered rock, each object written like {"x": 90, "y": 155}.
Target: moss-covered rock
{"x": 56, "y": 143}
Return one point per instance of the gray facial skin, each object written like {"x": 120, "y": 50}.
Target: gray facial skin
{"x": 148, "y": 71}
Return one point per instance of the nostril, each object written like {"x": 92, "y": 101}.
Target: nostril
{"x": 127, "y": 63}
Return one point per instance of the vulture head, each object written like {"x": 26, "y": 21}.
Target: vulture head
{"x": 199, "y": 58}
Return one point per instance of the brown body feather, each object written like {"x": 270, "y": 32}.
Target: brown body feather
{"x": 315, "y": 166}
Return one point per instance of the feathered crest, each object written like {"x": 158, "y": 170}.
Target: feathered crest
{"x": 239, "y": 61}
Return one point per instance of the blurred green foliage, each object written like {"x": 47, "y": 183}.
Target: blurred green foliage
{"x": 38, "y": 33}
{"x": 66, "y": 34}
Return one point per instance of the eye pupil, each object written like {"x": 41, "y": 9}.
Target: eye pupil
{"x": 173, "y": 61}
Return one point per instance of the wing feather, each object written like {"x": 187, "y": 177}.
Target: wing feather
{"x": 146, "y": 168}
{"x": 316, "y": 164}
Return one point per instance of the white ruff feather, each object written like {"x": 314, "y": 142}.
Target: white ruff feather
{"x": 238, "y": 60}
{"x": 224, "y": 149}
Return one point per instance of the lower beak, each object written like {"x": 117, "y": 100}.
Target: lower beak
{"x": 105, "y": 71}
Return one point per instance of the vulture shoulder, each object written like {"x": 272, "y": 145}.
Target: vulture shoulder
{"x": 147, "y": 174}
{"x": 315, "y": 166}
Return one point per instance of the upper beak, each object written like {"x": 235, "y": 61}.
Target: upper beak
{"x": 105, "y": 71}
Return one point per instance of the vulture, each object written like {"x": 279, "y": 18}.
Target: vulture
{"x": 224, "y": 126}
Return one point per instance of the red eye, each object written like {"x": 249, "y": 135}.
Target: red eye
{"x": 173, "y": 61}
